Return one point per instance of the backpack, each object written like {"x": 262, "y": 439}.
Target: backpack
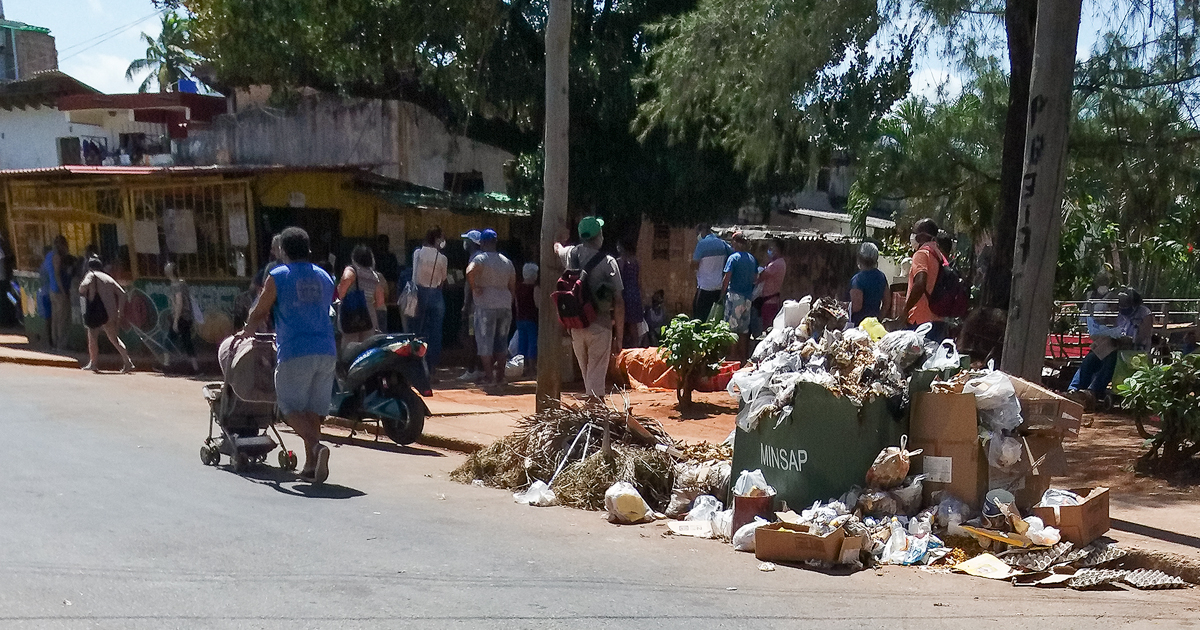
{"x": 949, "y": 295}
{"x": 573, "y": 298}
{"x": 95, "y": 314}
{"x": 353, "y": 311}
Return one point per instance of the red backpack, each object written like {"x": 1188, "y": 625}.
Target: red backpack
{"x": 573, "y": 298}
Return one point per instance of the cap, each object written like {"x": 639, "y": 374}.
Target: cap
{"x": 488, "y": 235}
{"x": 474, "y": 236}
{"x": 739, "y": 236}
{"x": 590, "y": 227}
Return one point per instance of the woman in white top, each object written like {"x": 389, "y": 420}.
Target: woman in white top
{"x": 103, "y": 300}
{"x": 361, "y": 274}
{"x": 429, "y": 274}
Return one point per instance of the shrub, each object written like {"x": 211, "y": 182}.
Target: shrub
{"x": 1171, "y": 391}
{"x": 694, "y": 348}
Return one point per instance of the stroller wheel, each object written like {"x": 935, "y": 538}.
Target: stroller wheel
{"x": 209, "y": 455}
{"x": 288, "y": 460}
{"x": 240, "y": 463}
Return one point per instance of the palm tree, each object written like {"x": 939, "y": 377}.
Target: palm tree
{"x": 167, "y": 58}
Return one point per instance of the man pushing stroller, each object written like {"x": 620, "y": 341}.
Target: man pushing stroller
{"x": 300, "y": 294}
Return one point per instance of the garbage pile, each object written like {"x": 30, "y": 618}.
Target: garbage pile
{"x": 809, "y": 345}
{"x": 555, "y": 457}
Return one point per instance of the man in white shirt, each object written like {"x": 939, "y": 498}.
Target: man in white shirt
{"x": 708, "y": 260}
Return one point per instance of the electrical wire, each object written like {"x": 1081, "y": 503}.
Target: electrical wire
{"x": 104, "y": 37}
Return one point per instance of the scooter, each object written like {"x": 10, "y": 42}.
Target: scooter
{"x": 378, "y": 380}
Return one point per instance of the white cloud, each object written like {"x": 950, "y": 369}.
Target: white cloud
{"x": 102, "y": 71}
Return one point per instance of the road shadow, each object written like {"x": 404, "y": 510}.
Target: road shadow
{"x": 703, "y": 411}
{"x": 379, "y": 445}
{"x": 1154, "y": 532}
{"x": 276, "y": 478}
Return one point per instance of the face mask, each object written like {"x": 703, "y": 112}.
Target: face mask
{"x": 912, "y": 241}
{"x": 441, "y": 243}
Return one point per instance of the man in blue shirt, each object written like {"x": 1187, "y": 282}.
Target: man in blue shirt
{"x": 708, "y": 260}
{"x": 741, "y": 270}
{"x": 299, "y": 294}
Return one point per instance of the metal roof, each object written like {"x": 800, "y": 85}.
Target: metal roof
{"x": 872, "y": 222}
{"x": 41, "y": 89}
{"x": 763, "y": 232}
{"x": 227, "y": 169}
{"x": 21, "y": 26}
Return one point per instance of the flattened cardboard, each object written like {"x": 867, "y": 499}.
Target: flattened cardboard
{"x": 945, "y": 427}
{"x": 1045, "y": 412}
{"x": 1080, "y": 524}
{"x": 787, "y": 542}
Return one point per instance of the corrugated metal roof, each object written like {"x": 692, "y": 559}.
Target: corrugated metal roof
{"x": 21, "y": 26}
{"x": 172, "y": 170}
{"x": 762, "y": 232}
{"x": 872, "y": 222}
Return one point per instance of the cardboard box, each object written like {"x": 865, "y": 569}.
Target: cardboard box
{"x": 786, "y": 542}
{"x": 1026, "y": 489}
{"x": 1080, "y": 524}
{"x": 1045, "y": 412}
{"x": 945, "y": 428}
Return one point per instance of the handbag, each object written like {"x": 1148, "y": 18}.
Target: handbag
{"x": 409, "y": 297}
{"x": 95, "y": 315}
{"x": 353, "y": 313}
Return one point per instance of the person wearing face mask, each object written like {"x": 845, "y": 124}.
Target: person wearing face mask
{"x": 1135, "y": 327}
{"x": 429, "y": 273}
{"x": 770, "y": 278}
{"x": 1102, "y": 292}
{"x": 926, "y": 262}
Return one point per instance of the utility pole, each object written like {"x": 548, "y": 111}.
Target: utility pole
{"x": 554, "y": 210}
{"x": 1035, "y": 256}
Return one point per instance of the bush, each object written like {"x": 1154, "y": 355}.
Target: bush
{"x": 694, "y": 348}
{"x": 1168, "y": 390}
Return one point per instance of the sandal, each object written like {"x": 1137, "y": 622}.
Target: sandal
{"x": 322, "y": 471}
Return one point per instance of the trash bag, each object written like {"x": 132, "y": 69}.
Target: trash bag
{"x": 903, "y": 347}
{"x": 1003, "y": 452}
{"x": 951, "y": 514}
{"x": 515, "y": 367}
{"x": 908, "y": 495}
{"x": 945, "y": 357}
{"x": 877, "y": 503}
{"x": 625, "y": 505}
{"x": 704, "y": 508}
{"x": 1004, "y": 417}
{"x": 743, "y": 540}
{"x": 753, "y": 484}
{"x": 1054, "y": 497}
{"x": 991, "y": 390}
{"x": 722, "y": 524}
{"x": 538, "y": 494}
{"x": 1039, "y": 534}
{"x": 891, "y": 466}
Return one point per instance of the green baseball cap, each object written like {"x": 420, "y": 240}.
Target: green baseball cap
{"x": 590, "y": 227}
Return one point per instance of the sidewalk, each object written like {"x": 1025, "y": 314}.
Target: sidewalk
{"x": 15, "y": 349}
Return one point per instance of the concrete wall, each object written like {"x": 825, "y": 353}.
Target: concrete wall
{"x": 397, "y": 139}
{"x": 28, "y": 137}
{"x": 35, "y": 52}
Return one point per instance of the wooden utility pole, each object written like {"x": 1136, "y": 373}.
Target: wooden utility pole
{"x": 554, "y": 210}
{"x": 1035, "y": 257}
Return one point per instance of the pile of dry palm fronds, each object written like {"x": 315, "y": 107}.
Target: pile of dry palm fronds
{"x": 567, "y": 440}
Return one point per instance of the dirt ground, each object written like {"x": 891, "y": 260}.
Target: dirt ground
{"x": 1104, "y": 455}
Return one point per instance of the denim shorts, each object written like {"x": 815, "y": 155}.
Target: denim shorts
{"x": 491, "y": 330}
{"x": 305, "y": 384}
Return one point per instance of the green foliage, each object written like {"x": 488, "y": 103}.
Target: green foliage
{"x": 169, "y": 58}
{"x": 1170, "y": 391}
{"x": 694, "y": 348}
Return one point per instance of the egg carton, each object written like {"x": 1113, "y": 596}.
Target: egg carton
{"x": 1150, "y": 579}
{"x": 1091, "y": 578}
{"x": 1098, "y": 554}
{"x": 1038, "y": 561}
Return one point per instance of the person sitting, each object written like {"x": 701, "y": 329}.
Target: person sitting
{"x": 1134, "y": 329}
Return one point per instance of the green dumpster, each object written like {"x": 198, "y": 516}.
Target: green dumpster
{"x": 822, "y": 449}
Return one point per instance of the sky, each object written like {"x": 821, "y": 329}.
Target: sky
{"x": 98, "y": 38}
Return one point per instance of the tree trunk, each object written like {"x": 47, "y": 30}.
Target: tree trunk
{"x": 554, "y": 210}
{"x": 1040, "y": 219}
{"x": 1020, "y": 16}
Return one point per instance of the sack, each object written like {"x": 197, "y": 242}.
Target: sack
{"x": 95, "y": 315}
{"x": 538, "y": 494}
{"x": 573, "y": 298}
{"x": 743, "y": 539}
{"x": 717, "y": 312}
{"x": 408, "y": 299}
{"x": 949, "y": 296}
{"x": 891, "y": 466}
{"x": 625, "y": 505}
{"x": 353, "y": 314}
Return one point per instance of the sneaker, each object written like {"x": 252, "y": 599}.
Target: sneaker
{"x": 470, "y": 377}
{"x": 322, "y": 471}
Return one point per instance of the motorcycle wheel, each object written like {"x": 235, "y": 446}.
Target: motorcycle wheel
{"x": 407, "y": 431}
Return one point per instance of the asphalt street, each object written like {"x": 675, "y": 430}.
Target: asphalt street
{"x": 109, "y": 520}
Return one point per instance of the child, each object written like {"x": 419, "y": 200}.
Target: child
{"x": 528, "y": 300}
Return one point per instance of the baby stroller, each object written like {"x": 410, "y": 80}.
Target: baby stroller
{"x": 243, "y": 407}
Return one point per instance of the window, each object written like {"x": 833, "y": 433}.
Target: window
{"x": 463, "y": 183}
{"x": 660, "y": 248}
{"x": 70, "y": 151}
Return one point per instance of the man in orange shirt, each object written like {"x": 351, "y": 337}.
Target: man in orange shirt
{"x": 926, "y": 262}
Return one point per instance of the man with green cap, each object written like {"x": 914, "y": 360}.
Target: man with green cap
{"x": 595, "y": 345}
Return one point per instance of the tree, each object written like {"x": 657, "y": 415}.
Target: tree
{"x": 168, "y": 57}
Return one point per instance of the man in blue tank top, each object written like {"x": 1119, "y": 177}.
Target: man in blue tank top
{"x": 299, "y": 295}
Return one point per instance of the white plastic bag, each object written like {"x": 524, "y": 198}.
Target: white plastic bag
{"x": 704, "y": 508}
{"x": 991, "y": 390}
{"x": 515, "y": 367}
{"x": 753, "y": 484}
{"x": 743, "y": 540}
{"x": 946, "y": 357}
{"x": 722, "y": 524}
{"x": 538, "y": 494}
{"x": 1003, "y": 451}
{"x": 408, "y": 299}
{"x": 1039, "y": 534}
{"x": 903, "y": 347}
{"x": 1055, "y": 497}
{"x": 625, "y": 505}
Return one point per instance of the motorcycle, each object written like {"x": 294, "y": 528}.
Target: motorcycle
{"x": 378, "y": 380}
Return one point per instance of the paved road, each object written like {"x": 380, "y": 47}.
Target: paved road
{"x": 108, "y": 520}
